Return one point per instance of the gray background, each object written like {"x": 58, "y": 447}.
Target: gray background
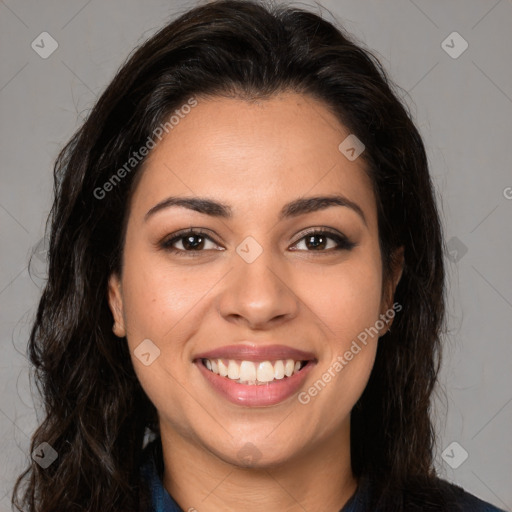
{"x": 462, "y": 106}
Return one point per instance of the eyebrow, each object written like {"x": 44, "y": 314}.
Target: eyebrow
{"x": 294, "y": 208}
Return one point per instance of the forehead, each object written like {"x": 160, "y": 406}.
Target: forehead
{"x": 256, "y": 153}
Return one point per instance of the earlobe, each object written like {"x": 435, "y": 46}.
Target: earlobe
{"x": 398, "y": 266}
{"x": 115, "y": 302}
{"x": 398, "y": 262}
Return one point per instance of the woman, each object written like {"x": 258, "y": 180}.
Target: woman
{"x": 242, "y": 218}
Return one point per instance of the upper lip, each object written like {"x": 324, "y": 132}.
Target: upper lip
{"x": 256, "y": 353}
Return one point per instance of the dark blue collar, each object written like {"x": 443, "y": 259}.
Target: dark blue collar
{"x": 161, "y": 500}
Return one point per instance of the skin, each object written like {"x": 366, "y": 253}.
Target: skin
{"x": 254, "y": 156}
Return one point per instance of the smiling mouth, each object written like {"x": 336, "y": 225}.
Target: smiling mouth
{"x": 253, "y": 373}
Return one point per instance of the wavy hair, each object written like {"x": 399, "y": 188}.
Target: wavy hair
{"x": 96, "y": 413}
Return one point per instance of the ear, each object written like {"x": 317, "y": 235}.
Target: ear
{"x": 115, "y": 301}
{"x": 397, "y": 267}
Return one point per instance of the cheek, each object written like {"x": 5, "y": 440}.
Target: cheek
{"x": 158, "y": 296}
{"x": 349, "y": 353}
{"x": 358, "y": 308}
{"x": 165, "y": 304}
{"x": 159, "y": 303}
{"x": 347, "y": 298}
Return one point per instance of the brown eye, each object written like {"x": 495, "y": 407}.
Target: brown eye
{"x": 193, "y": 242}
{"x": 190, "y": 241}
{"x": 321, "y": 241}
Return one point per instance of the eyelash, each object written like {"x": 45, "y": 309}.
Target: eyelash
{"x": 343, "y": 243}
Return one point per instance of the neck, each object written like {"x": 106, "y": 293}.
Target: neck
{"x": 318, "y": 479}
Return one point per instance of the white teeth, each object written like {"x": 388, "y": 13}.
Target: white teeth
{"x": 288, "y": 367}
{"x": 233, "y": 370}
{"x": 253, "y": 373}
{"x": 278, "y": 370}
{"x": 247, "y": 371}
{"x": 265, "y": 371}
{"x": 223, "y": 369}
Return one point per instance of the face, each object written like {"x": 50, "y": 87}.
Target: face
{"x": 273, "y": 290}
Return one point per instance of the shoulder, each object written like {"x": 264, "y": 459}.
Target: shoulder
{"x": 452, "y": 497}
{"x": 470, "y": 503}
{"x": 416, "y": 494}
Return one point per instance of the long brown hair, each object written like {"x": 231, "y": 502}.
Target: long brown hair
{"x": 96, "y": 411}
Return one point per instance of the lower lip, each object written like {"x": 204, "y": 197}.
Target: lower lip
{"x": 271, "y": 393}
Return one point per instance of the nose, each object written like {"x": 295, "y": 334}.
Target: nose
{"x": 258, "y": 294}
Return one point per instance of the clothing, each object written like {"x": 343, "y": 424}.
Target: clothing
{"x": 163, "y": 502}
